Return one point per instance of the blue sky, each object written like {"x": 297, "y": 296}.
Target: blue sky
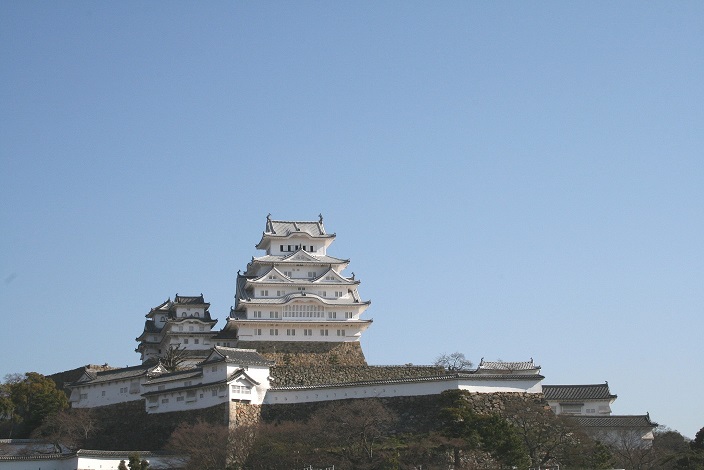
{"x": 509, "y": 179}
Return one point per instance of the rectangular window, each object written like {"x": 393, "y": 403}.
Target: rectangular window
{"x": 190, "y": 328}
{"x": 323, "y": 332}
{"x": 282, "y": 247}
{"x": 214, "y": 393}
{"x": 240, "y": 389}
{"x": 187, "y": 383}
{"x": 324, "y": 294}
{"x": 274, "y": 332}
{"x": 340, "y": 332}
{"x": 348, "y": 315}
{"x": 179, "y": 398}
{"x": 289, "y": 248}
{"x": 332, "y": 314}
{"x": 196, "y": 341}
{"x": 290, "y": 332}
{"x": 311, "y": 248}
{"x": 338, "y": 294}
{"x": 278, "y": 293}
{"x": 571, "y": 409}
{"x": 311, "y": 274}
{"x": 102, "y": 393}
{"x": 84, "y": 396}
{"x": 185, "y": 341}
{"x": 214, "y": 369}
{"x": 164, "y": 400}
{"x": 201, "y": 328}
{"x": 257, "y": 314}
{"x": 307, "y": 332}
{"x": 257, "y": 332}
{"x": 264, "y": 293}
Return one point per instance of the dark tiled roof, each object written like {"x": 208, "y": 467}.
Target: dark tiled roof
{"x": 288, "y": 259}
{"x": 177, "y": 375}
{"x": 507, "y": 366}
{"x": 190, "y": 300}
{"x": 286, "y": 227}
{"x": 243, "y": 356}
{"x": 196, "y": 353}
{"x": 115, "y": 374}
{"x": 578, "y": 392}
{"x": 228, "y": 332}
{"x": 123, "y": 453}
{"x": 615, "y": 421}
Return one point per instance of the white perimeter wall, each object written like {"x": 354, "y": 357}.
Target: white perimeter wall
{"x": 112, "y": 393}
{"x": 85, "y": 463}
{"x": 401, "y": 390}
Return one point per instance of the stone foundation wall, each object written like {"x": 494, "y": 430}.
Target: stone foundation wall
{"x": 287, "y": 375}
{"x": 126, "y": 426}
{"x": 308, "y": 353}
{"x": 415, "y": 414}
{"x": 243, "y": 414}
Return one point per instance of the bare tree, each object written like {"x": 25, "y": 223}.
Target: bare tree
{"x": 353, "y": 429}
{"x": 205, "y": 446}
{"x": 70, "y": 428}
{"x": 174, "y": 357}
{"x": 453, "y": 362}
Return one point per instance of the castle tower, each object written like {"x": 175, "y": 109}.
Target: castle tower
{"x": 296, "y": 292}
{"x": 183, "y": 323}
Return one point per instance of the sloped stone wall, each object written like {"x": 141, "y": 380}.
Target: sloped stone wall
{"x": 127, "y": 426}
{"x": 415, "y": 414}
{"x": 287, "y": 375}
{"x": 308, "y": 353}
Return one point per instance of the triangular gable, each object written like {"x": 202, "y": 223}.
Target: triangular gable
{"x": 337, "y": 277}
{"x": 159, "y": 309}
{"x": 301, "y": 255}
{"x": 87, "y": 376}
{"x": 278, "y": 276}
{"x": 157, "y": 370}
{"x": 215, "y": 356}
{"x": 241, "y": 377}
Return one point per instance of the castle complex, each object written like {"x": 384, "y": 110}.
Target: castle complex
{"x": 293, "y": 336}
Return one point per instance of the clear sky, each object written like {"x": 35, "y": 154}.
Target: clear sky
{"x": 509, "y": 179}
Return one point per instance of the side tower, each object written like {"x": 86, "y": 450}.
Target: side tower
{"x": 183, "y": 323}
{"x": 295, "y": 298}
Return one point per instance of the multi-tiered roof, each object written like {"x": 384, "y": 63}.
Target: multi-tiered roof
{"x": 296, "y": 291}
{"x": 182, "y": 323}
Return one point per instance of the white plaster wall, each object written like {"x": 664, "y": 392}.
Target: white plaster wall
{"x": 353, "y": 331}
{"x": 112, "y": 394}
{"x": 204, "y": 399}
{"x": 401, "y": 389}
{"x": 602, "y": 407}
{"x": 43, "y": 464}
{"x": 85, "y": 463}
